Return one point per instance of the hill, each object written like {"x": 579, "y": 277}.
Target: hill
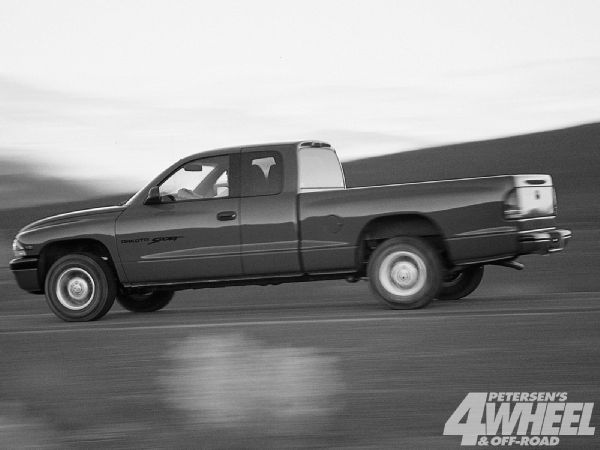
{"x": 570, "y": 155}
{"x": 25, "y": 184}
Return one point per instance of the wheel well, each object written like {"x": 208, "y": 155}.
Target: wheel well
{"x": 55, "y": 250}
{"x": 382, "y": 228}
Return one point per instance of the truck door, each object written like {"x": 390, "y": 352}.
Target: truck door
{"x": 268, "y": 214}
{"x": 193, "y": 233}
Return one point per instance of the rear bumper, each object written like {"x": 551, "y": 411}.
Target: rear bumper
{"x": 543, "y": 242}
{"x": 25, "y": 271}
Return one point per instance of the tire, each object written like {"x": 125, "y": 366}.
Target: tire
{"x": 461, "y": 283}
{"x": 80, "y": 287}
{"x": 405, "y": 273}
{"x": 150, "y": 302}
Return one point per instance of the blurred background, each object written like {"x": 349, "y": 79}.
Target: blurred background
{"x": 107, "y": 93}
{"x": 96, "y": 97}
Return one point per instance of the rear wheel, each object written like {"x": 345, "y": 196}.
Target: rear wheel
{"x": 146, "y": 302}
{"x": 460, "y": 284}
{"x": 80, "y": 287}
{"x": 405, "y": 273}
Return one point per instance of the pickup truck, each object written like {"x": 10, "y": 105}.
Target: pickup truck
{"x": 276, "y": 213}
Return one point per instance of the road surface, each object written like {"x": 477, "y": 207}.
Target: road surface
{"x": 355, "y": 375}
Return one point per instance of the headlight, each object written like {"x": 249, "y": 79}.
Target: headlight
{"x": 18, "y": 249}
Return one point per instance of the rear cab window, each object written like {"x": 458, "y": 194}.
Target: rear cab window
{"x": 319, "y": 169}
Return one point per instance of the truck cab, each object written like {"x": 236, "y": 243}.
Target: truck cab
{"x": 226, "y": 213}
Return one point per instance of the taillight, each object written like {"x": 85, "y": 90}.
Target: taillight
{"x": 555, "y": 202}
{"x": 512, "y": 209}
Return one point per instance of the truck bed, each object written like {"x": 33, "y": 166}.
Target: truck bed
{"x": 465, "y": 212}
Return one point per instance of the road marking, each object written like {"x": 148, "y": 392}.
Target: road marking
{"x": 231, "y": 308}
{"x": 447, "y": 307}
{"x": 6, "y": 316}
{"x": 431, "y": 312}
{"x": 279, "y": 322}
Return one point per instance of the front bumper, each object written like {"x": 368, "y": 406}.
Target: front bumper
{"x": 543, "y": 242}
{"x": 25, "y": 271}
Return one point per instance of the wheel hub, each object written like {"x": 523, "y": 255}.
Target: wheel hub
{"x": 78, "y": 288}
{"x": 403, "y": 273}
{"x": 75, "y": 288}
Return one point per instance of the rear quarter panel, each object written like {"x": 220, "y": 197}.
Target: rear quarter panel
{"x": 467, "y": 212}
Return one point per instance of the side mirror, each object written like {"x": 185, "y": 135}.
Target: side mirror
{"x": 153, "y": 197}
{"x": 193, "y": 167}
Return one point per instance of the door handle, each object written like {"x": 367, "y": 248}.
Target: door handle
{"x": 226, "y": 215}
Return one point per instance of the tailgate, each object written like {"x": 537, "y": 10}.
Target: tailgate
{"x": 533, "y": 196}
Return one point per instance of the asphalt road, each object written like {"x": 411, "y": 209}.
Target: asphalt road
{"x": 317, "y": 364}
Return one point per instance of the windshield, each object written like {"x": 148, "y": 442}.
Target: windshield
{"x": 200, "y": 179}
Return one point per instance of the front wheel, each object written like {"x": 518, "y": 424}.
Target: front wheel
{"x": 405, "y": 273}
{"x": 460, "y": 284}
{"x": 147, "y": 302}
{"x": 80, "y": 287}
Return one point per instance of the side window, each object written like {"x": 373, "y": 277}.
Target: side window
{"x": 262, "y": 173}
{"x": 200, "y": 179}
{"x": 319, "y": 169}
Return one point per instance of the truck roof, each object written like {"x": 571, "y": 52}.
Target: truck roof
{"x": 309, "y": 143}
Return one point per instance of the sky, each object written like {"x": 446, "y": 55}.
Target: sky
{"x": 111, "y": 92}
